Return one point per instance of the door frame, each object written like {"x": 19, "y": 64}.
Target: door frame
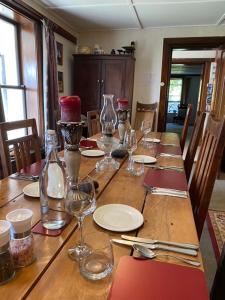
{"x": 190, "y": 43}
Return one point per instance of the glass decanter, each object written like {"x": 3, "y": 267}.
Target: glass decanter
{"x": 107, "y": 142}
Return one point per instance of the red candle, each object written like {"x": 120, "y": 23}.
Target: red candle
{"x": 70, "y": 108}
{"x": 122, "y": 103}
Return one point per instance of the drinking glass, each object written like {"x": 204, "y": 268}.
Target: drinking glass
{"x": 146, "y": 127}
{"x": 80, "y": 202}
{"x": 99, "y": 262}
{"x": 130, "y": 143}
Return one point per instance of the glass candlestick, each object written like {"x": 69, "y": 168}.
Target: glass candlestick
{"x": 108, "y": 120}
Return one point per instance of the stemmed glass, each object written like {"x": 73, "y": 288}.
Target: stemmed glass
{"x": 80, "y": 202}
{"x": 146, "y": 127}
{"x": 130, "y": 143}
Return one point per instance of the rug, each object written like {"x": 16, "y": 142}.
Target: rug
{"x": 216, "y": 226}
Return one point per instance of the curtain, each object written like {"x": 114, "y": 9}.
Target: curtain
{"x": 51, "y": 105}
{"x": 2, "y": 114}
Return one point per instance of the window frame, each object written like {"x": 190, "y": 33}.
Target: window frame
{"x": 20, "y": 85}
{"x": 182, "y": 86}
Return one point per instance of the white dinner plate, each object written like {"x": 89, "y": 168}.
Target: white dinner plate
{"x": 144, "y": 158}
{"x": 118, "y": 217}
{"x": 93, "y": 153}
{"x": 32, "y": 190}
{"x": 151, "y": 140}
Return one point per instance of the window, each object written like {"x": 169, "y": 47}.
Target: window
{"x": 13, "y": 93}
{"x": 175, "y": 92}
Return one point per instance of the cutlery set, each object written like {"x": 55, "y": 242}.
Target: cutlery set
{"x": 162, "y": 154}
{"x": 168, "y": 192}
{"x": 143, "y": 247}
{"x": 23, "y": 176}
{"x": 175, "y": 168}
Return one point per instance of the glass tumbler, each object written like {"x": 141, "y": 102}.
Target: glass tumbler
{"x": 99, "y": 263}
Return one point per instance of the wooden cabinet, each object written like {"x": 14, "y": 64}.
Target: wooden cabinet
{"x": 95, "y": 75}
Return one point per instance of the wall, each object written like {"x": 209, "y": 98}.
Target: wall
{"x": 67, "y": 67}
{"x": 149, "y": 47}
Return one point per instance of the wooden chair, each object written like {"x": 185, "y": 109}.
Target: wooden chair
{"x": 145, "y": 112}
{"x": 93, "y": 122}
{"x": 205, "y": 172}
{"x": 22, "y": 148}
{"x": 218, "y": 287}
{"x": 194, "y": 142}
{"x": 185, "y": 127}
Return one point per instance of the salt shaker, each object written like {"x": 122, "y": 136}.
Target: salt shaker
{"x": 21, "y": 243}
{"x": 7, "y": 270}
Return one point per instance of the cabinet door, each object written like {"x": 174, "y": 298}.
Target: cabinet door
{"x": 113, "y": 78}
{"x": 87, "y": 83}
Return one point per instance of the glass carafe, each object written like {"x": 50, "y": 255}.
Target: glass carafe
{"x": 52, "y": 187}
{"x": 107, "y": 142}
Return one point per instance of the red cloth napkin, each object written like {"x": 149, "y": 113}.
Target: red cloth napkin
{"x": 168, "y": 149}
{"x": 152, "y": 280}
{"x": 88, "y": 143}
{"x": 169, "y": 179}
{"x": 34, "y": 169}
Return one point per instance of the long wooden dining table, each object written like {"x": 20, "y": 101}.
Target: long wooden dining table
{"x": 54, "y": 275}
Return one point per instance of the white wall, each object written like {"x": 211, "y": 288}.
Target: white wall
{"x": 149, "y": 47}
{"x": 67, "y": 67}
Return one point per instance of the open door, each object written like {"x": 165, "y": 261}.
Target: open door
{"x": 200, "y": 43}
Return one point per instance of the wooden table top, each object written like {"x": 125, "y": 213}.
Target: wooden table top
{"x": 53, "y": 275}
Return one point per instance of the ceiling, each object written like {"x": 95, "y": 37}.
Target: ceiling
{"x": 83, "y": 15}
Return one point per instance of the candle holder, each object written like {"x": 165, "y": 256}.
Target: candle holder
{"x": 124, "y": 124}
{"x": 72, "y": 132}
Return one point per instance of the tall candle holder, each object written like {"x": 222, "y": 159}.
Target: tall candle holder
{"x": 124, "y": 124}
{"x": 72, "y": 132}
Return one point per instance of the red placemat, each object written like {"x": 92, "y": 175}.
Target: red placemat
{"x": 146, "y": 280}
{"x": 169, "y": 179}
{"x": 168, "y": 149}
{"x": 38, "y": 228}
{"x": 88, "y": 143}
{"x": 34, "y": 169}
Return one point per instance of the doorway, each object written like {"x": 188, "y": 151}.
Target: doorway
{"x": 183, "y": 44}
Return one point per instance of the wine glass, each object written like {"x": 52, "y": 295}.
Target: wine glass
{"x": 146, "y": 127}
{"x": 130, "y": 143}
{"x": 80, "y": 202}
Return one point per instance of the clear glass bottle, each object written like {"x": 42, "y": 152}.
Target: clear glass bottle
{"x": 7, "y": 270}
{"x": 53, "y": 186}
{"x": 22, "y": 243}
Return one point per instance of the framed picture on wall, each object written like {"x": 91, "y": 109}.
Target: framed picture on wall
{"x": 59, "y": 53}
{"x": 60, "y": 82}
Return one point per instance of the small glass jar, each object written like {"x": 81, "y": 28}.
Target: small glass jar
{"x": 21, "y": 244}
{"x": 7, "y": 270}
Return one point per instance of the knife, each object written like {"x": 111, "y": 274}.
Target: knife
{"x": 167, "y": 144}
{"x": 157, "y": 246}
{"x": 179, "y": 169}
{"x": 151, "y": 241}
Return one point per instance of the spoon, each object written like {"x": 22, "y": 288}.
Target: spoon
{"x": 147, "y": 253}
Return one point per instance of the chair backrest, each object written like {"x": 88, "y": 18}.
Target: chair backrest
{"x": 93, "y": 121}
{"x": 205, "y": 172}
{"x": 185, "y": 127}
{"x": 21, "y": 149}
{"x": 194, "y": 142}
{"x": 218, "y": 287}
{"x": 145, "y": 112}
